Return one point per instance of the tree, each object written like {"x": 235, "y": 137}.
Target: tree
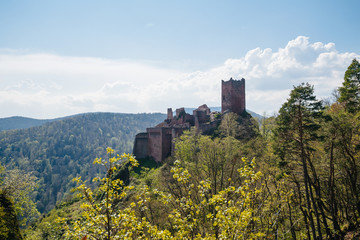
{"x": 16, "y": 206}
{"x": 342, "y": 146}
{"x": 102, "y": 217}
{"x": 194, "y": 207}
{"x": 350, "y": 91}
{"x": 295, "y": 134}
{"x": 9, "y": 225}
{"x": 266, "y": 126}
{"x": 18, "y": 186}
{"x": 229, "y": 125}
{"x": 201, "y": 195}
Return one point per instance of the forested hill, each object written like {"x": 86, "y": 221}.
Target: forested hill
{"x": 21, "y": 122}
{"x": 58, "y": 151}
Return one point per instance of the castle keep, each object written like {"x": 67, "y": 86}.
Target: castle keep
{"x": 157, "y": 142}
{"x": 233, "y": 96}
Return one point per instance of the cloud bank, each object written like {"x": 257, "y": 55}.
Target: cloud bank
{"x": 48, "y": 85}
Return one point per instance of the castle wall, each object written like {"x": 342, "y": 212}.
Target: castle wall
{"x": 141, "y": 145}
{"x": 170, "y": 114}
{"x": 166, "y": 143}
{"x": 155, "y": 143}
{"x": 180, "y": 112}
{"x": 233, "y": 96}
{"x": 159, "y": 143}
{"x": 201, "y": 115}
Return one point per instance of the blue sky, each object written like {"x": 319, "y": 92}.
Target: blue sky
{"x": 64, "y": 57}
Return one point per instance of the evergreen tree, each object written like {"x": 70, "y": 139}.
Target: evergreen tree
{"x": 296, "y": 131}
{"x": 350, "y": 91}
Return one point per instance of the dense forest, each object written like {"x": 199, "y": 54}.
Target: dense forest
{"x": 290, "y": 176}
{"x": 58, "y": 151}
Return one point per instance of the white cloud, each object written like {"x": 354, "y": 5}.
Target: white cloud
{"x": 47, "y": 85}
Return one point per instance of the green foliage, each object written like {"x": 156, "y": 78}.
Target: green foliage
{"x": 342, "y": 149}
{"x": 19, "y": 186}
{"x": 229, "y": 125}
{"x": 57, "y": 152}
{"x": 242, "y": 127}
{"x": 266, "y": 126}
{"x": 9, "y": 226}
{"x": 194, "y": 211}
{"x": 319, "y": 150}
{"x": 199, "y": 212}
{"x": 298, "y": 118}
{"x": 48, "y": 226}
{"x": 295, "y": 135}
{"x": 350, "y": 90}
{"x": 16, "y": 206}
{"x": 218, "y": 165}
{"x": 101, "y": 217}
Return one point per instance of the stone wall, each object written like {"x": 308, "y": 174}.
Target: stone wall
{"x": 170, "y": 114}
{"x": 233, "y": 96}
{"x": 155, "y": 143}
{"x": 201, "y": 115}
{"x": 159, "y": 143}
{"x": 141, "y": 145}
{"x": 166, "y": 143}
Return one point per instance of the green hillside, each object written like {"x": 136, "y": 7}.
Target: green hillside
{"x": 58, "y": 151}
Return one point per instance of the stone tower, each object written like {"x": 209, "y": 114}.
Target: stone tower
{"x": 233, "y": 95}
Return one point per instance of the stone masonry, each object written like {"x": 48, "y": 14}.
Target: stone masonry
{"x": 233, "y": 96}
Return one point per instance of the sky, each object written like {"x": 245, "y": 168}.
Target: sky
{"x": 59, "y": 58}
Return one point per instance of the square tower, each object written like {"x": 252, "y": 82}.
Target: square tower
{"x": 233, "y": 95}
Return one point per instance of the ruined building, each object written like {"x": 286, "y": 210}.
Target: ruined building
{"x": 157, "y": 142}
{"x": 233, "y": 96}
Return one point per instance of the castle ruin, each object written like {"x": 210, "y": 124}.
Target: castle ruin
{"x": 158, "y": 142}
{"x": 233, "y": 96}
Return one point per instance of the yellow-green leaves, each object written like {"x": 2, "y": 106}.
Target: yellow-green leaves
{"x": 193, "y": 208}
{"x": 102, "y": 217}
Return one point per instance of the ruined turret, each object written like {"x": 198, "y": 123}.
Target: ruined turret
{"x": 233, "y": 96}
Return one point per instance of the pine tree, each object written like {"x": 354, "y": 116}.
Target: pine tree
{"x": 350, "y": 91}
{"x": 297, "y": 125}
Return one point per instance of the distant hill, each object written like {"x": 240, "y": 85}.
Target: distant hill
{"x": 59, "y": 150}
{"x": 20, "y": 123}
